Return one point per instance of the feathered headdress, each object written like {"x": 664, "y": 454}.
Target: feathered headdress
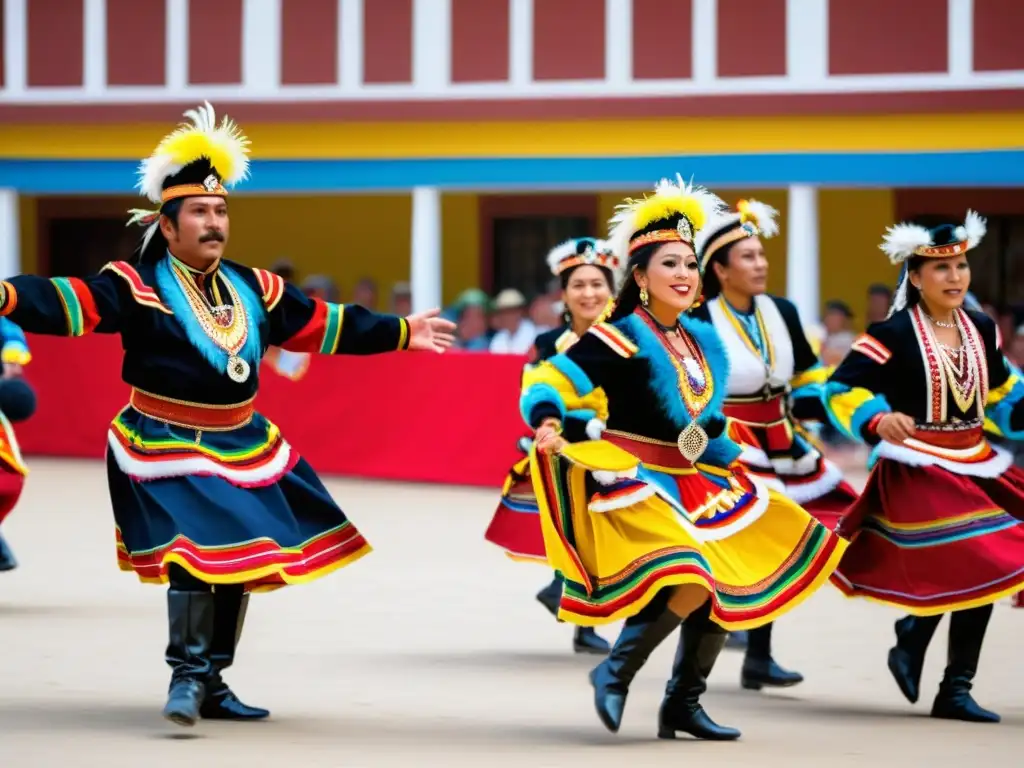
{"x": 675, "y": 212}
{"x": 581, "y": 251}
{"x": 903, "y": 241}
{"x": 198, "y": 158}
{"x": 751, "y": 218}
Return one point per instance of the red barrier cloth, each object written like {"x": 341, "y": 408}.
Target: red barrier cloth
{"x": 410, "y": 416}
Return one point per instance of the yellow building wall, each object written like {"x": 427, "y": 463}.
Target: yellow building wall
{"x": 851, "y": 224}
{"x": 350, "y": 237}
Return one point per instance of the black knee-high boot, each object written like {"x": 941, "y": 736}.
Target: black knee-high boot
{"x": 700, "y": 643}
{"x": 906, "y": 658}
{"x": 190, "y": 624}
{"x": 640, "y": 635}
{"x": 230, "y": 605}
{"x": 966, "y": 636}
{"x": 759, "y": 668}
{"x": 551, "y": 596}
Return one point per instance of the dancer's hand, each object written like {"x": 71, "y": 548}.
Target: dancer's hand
{"x": 430, "y": 333}
{"x": 895, "y": 427}
{"x": 548, "y": 438}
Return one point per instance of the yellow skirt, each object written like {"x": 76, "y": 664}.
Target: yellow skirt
{"x": 619, "y": 532}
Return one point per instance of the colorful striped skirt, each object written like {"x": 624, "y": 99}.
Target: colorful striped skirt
{"x": 515, "y": 526}
{"x": 233, "y": 506}
{"x": 928, "y": 540}
{"x": 619, "y": 531}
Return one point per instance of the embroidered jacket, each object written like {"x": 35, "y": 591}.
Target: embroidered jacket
{"x": 167, "y": 352}
{"x": 633, "y": 383}
{"x": 896, "y": 366}
{"x": 791, "y": 363}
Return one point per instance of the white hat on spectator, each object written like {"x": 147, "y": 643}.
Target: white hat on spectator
{"x": 509, "y": 298}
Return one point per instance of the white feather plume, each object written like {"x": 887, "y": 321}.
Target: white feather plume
{"x": 227, "y": 137}
{"x": 766, "y": 218}
{"x": 901, "y": 240}
{"x": 626, "y": 220}
{"x": 560, "y": 253}
{"x": 975, "y": 228}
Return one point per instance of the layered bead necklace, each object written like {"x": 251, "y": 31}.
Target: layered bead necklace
{"x": 959, "y": 365}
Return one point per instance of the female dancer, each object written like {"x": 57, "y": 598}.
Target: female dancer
{"x": 935, "y": 526}
{"x": 17, "y": 403}
{"x": 653, "y": 523}
{"x": 588, "y": 271}
{"x": 775, "y": 380}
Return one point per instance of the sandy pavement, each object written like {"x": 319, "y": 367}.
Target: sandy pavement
{"x": 429, "y": 652}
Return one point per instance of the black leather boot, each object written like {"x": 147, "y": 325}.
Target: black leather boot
{"x": 586, "y": 640}
{"x": 700, "y": 643}
{"x": 190, "y": 621}
{"x": 551, "y": 596}
{"x": 906, "y": 658}
{"x": 221, "y": 703}
{"x": 966, "y": 635}
{"x": 640, "y": 635}
{"x": 7, "y": 561}
{"x": 759, "y": 668}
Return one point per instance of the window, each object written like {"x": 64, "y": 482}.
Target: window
{"x": 521, "y": 244}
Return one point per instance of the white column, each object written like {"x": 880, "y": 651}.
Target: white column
{"x": 807, "y": 41}
{"x": 94, "y": 50}
{"x": 618, "y": 42}
{"x": 261, "y": 45}
{"x": 705, "y": 40}
{"x": 15, "y": 46}
{"x": 961, "y": 38}
{"x": 425, "y": 269}
{"x": 520, "y": 43}
{"x": 350, "y": 44}
{"x": 432, "y": 44}
{"x": 10, "y": 242}
{"x": 176, "y": 45}
{"x": 802, "y": 281}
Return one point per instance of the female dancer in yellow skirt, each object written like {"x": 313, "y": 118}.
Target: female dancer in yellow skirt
{"x": 588, "y": 272}
{"x": 654, "y": 522}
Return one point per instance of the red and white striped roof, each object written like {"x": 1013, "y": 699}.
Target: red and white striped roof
{"x": 537, "y": 54}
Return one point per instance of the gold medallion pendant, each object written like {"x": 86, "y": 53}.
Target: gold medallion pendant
{"x": 692, "y": 441}
{"x": 238, "y": 369}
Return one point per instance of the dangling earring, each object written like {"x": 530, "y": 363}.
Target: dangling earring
{"x": 568, "y": 317}
{"x": 644, "y": 298}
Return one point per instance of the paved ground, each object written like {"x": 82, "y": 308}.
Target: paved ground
{"x": 429, "y": 652}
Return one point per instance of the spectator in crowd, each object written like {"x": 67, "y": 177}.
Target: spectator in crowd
{"x": 544, "y": 313}
{"x": 879, "y": 301}
{"x": 1015, "y": 348}
{"x": 839, "y": 334}
{"x": 471, "y": 332}
{"x": 401, "y": 299}
{"x": 514, "y": 331}
{"x": 365, "y": 293}
{"x": 284, "y": 269}
{"x": 321, "y": 287}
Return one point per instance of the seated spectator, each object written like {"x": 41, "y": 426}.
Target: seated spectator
{"x": 471, "y": 331}
{"x": 514, "y": 331}
{"x": 321, "y": 287}
{"x": 544, "y": 313}
{"x": 839, "y": 335}
{"x": 365, "y": 293}
{"x": 879, "y": 301}
{"x": 284, "y": 269}
{"x": 401, "y": 299}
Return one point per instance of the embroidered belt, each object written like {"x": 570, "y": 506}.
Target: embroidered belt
{"x": 756, "y": 410}
{"x": 654, "y": 453}
{"x": 181, "y": 413}
{"x": 950, "y": 440}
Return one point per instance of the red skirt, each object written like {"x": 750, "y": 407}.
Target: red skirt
{"x": 515, "y": 526}
{"x": 929, "y": 541}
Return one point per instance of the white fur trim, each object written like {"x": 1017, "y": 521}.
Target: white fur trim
{"x": 805, "y": 492}
{"x": 595, "y": 428}
{"x": 621, "y": 502}
{"x": 198, "y": 465}
{"x": 604, "y": 477}
{"x": 992, "y": 467}
{"x": 755, "y": 458}
{"x": 560, "y": 253}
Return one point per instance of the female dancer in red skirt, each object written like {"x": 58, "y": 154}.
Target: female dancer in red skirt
{"x": 587, "y": 270}
{"x": 938, "y": 527}
{"x": 775, "y": 381}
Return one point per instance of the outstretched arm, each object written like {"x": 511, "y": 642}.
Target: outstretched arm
{"x": 299, "y": 323}
{"x": 852, "y": 396}
{"x": 65, "y": 306}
